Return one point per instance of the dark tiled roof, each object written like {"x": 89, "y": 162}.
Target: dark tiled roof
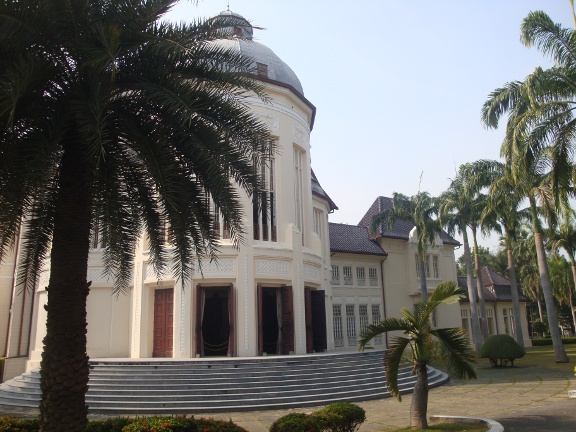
{"x": 320, "y": 192}
{"x": 352, "y": 239}
{"x": 400, "y": 229}
{"x": 502, "y": 291}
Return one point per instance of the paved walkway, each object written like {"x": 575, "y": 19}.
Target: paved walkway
{"x": 526, "y": 399}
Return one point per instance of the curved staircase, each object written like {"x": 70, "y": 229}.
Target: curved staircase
{"x": 151, "y": 386}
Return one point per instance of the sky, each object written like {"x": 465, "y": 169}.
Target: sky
{"x": 398, "y": 85}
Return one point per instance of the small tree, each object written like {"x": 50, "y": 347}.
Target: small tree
{"x": 422, "y": 344}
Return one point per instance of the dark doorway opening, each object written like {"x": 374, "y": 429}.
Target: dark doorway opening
{"x": 215, "y": 321}
{"x": 275, "y": 320}
{"x": 270, "y": 327}
{"x": 316, "y": 340}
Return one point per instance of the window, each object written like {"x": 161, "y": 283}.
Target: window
{"x": 337, "y": 325}
{"x": 465, "y": 314}
{"x": 512, "y": 326}
{"x": 347, "y": 272}
{"x": 435, "y": 268}
{"x": 262, "y": 70}
{"x": 376, "y": 320}
{"x": 506, "y": 321}
{"x": 361, "y": 276}
{"x": 351, "y": 325}
{"x": 318, "y": 216}
{"x": 299, "y": 190}
{"x": 490, "y": 319}
{"x": 335, "y": 275}
{"x": 373, "y": 276}
{"x": 363, "y": 312}
{"x": 426, "y": 265}
{"x": 264, "y": 202}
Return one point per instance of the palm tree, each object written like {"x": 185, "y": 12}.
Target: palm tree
{"x": 115, "y": 121}
{"x": 475, "y": 177}
{"x": 538, "y": 145}
{"x": 422, "y": 344}
{"x": 565, "y": 238}
{"x": 455, "y": 210}
{"x": 503, "y": 206}
{"x": 419, "y": 209}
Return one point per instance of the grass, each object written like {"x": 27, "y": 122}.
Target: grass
{"x": 542, "y": 357}
{"x": 447, "y": 427}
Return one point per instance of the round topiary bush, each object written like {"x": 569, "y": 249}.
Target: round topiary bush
{"x": 340, "y": 417}
{"x": 502, "y": 350}
{"x": 294, "y": 422}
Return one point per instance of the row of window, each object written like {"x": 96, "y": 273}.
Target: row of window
{"x": 345, "y": 330}
{"x": 435, "y": 266}
{"x": 507, "y": 315}
{"x": 348, "y": 276}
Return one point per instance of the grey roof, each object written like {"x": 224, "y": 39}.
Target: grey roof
{"x": 277, "y": 70}
{"x": 320, "y": 192}
{"x": 401, "y": 229}
{"x": 353, "y": 239}
{"x": 496, "y": 287}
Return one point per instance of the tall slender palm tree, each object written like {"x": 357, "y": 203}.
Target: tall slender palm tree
{"x": 539, "y": 144}
{"x": 503, "y": 206}
{"x": 475, "y": 178}
{"x": 421, "y": 210}
{"x": 423, "y": 344}
{"x": 455, "y": 215}
{"x": 115, "y": 121}
{"x": 565, "y": 238}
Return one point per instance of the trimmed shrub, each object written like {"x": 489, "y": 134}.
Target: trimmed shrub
{"x": 13, "y": 424}
{"x": 340, "y": 417}
{"x": 539, "y": 327}
{"x": 115, "y": 424}
{"x": 161, "y": 424}
{"x": 501, "y": 350}
{"x": 294, "y": 422}
{"x": 211, "y": 425}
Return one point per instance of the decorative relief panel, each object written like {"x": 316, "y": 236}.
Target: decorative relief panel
{"x": 299, "y": 135}
{"x": 96, "y": 275}
{"x": 271, "y": 121}
{"x": 311, "y": 272}
{"x": 273, "y": 267}
{"x": 221, "y": 266}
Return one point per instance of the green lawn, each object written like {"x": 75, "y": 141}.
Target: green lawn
{"x": 542, "y": 356}
{"x": 447, "y": 427}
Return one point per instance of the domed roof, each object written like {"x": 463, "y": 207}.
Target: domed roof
{"x": 266, "y": 63}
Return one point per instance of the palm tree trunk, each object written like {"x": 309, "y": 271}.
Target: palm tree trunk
{"x": 476, "y": 336}
{"x": 64, "y": 366}
{"x": 515, "y": 297}
{"x": 422, "y": 271}
{"x": 419, "y": 405}
{"x": 540, "y": 312}
{"x": 571, "y": 296}
{"x": 480, "y": 288}
{"x": 559, "y": 351}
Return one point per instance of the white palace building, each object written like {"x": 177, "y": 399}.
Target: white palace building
{"x": 297, "y": 285}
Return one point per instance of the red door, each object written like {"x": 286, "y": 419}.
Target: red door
{"x": 163, "y": 322}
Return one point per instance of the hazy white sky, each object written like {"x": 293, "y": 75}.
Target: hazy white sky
{"x": 398, "y": 85}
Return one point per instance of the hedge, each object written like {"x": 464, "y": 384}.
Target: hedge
{"x": 548, "y": 341}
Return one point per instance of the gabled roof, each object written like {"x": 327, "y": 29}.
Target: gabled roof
{"x": 353, "y": 239}
{"x": 400, "y": 229}
{"x": 496, "y": 287}
{"x": 320, "y": 192}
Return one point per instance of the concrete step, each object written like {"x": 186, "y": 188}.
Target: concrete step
{"x": 163, "y": 387}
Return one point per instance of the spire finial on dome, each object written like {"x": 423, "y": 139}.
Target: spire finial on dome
{"x": 228, "y": 5}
